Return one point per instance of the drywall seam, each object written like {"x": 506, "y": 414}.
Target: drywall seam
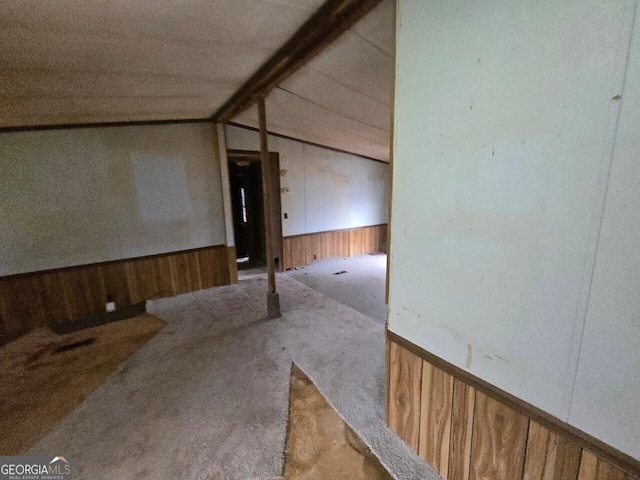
{"x": 304, "y": 142}
{"x": 325, "y": 108}
{"x": 220, "y": 147}
{"x": 390, "y": 171}
{"x": 51, "y": 222}
{"x": 304, "y": 184}
{"x": 350, "y": 188}
{"x": 305, "y": 203}
{"x": 392, "y": 147}
{"x": 599, "y": 204}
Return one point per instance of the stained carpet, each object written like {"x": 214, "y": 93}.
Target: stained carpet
{"x": 207, "y": 397}
{"x": 45, "y": 376}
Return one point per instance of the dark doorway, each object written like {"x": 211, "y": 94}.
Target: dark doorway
{"x": 245, "y": 179}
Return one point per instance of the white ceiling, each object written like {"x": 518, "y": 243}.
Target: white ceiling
{"x": 70, "y": 61}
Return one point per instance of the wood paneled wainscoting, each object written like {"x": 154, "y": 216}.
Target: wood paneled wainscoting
{"x": 68, "y": 295}
{"x": 466, "y": 429}
{"x": 301, "y": 250}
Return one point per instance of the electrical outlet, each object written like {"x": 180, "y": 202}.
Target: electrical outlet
{"x": 286, "y": 215}
{"x": 110, "y": 305}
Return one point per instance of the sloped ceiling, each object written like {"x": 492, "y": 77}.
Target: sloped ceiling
{"x": 70, "y": 61}
{"x": 342, "y": 98}
{"x": 93, "y": 61}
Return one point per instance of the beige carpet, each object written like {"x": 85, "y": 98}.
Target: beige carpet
{"x": 207, "y": 398}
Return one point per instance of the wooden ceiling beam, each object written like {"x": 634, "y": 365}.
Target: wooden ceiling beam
{"x": 319, "y": 31}
{"x": 69, "y": 126}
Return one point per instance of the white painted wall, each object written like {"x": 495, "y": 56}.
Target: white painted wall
{"x": 72, "y": 197}
{"x": 607, "y": 388}
{"x": 327, "y": 190}
{"x": 505, "y": 121}
{"x": 220, "y": 145}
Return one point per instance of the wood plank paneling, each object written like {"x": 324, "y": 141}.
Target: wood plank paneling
{"x": 462, "y": 409}
{"x": 435, "y": 418}
{"x": 606, "y": 471}
{"x": 147, "y": 280}
{"x": 404, "y": 403}
{"x": 567, "y": 460}
{"x": 542, "y": 447}
{"x": 294, "y": 252}
{"x": 588, "y": 466}
{"x": 499, "y": 441}
{"x": 56, "y": 305}
{"x": 594, "y": 468}
{"x": 343, "y": 244}
{"x": 550, "y": 456}
{"x": 230, "y": 276}
{"x": 301, "y": 250}
{"x": 84, "y": 291}
{"x": 184, "y": 272}
{"x": 27, "y": 314}
{"x": 479, "y": 435}
{"x": 68, "y": 295}
{"x": 115, "y": 282}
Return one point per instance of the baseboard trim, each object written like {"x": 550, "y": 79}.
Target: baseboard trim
{"x": 602, "y": 450}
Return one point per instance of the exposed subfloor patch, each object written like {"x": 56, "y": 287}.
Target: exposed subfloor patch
{"x": 45, "y": 376}
{"x": 207, "y": 397}
{"x": 358, "y": 282}
{"x": 320, "y": 445}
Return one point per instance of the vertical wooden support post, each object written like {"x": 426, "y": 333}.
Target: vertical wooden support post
{"x": 273, "y": 299}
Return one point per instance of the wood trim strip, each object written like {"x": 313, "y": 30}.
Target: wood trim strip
{"x": 306, "y": 142}
{"x": 602, "y": 450}
{"x": 110, "y": 262}
{"x": 331, "y": 20}
{"x": 69, "y": 126}
{"x": 335, "y": 231}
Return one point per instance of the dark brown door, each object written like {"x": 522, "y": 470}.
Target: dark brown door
{"x": 245, "y": 175}
{"x": 248, "y": 216}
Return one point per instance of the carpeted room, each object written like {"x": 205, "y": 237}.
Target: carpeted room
{"x": 191, "y": 403}
{"x": 196, "y": 200}
{"x": 115, "y": 186}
